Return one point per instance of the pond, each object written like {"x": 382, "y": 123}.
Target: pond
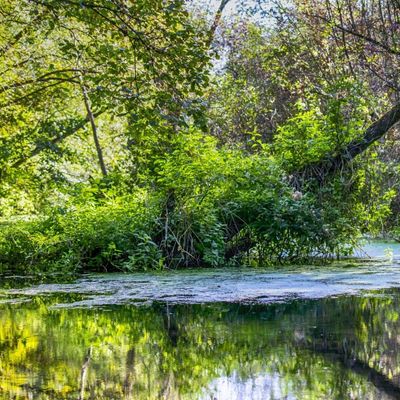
{"x": 297, "y": 333}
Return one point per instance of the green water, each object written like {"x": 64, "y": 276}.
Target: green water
{"x": 345, "y": 347}
{"x": 295, "y": 333}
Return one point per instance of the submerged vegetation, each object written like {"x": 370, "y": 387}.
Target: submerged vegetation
{"x": 148, "y": 134}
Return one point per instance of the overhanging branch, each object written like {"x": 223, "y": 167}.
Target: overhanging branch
{"x": 320, "y": 170}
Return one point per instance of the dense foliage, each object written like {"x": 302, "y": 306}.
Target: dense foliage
{"x": 140, "y": 134}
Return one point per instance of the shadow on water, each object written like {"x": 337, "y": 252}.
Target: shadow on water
{"x": 334, "y": 348}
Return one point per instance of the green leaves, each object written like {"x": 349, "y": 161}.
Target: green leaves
{"x": 322, "y": 127}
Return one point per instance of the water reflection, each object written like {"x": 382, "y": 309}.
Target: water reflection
{"x": 343, "y": 348}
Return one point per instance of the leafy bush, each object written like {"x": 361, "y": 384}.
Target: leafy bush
{"x": 204, "y": 206}
{"x": 110, "y": 236}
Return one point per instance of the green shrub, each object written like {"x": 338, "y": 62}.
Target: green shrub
{"x": 203, "y": 206}
{"x": 111, "y": 236}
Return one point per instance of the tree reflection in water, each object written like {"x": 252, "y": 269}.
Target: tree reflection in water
{"x": 337, "y": 348}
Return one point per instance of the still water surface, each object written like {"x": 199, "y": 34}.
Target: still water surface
{"x": 330, "y": 333}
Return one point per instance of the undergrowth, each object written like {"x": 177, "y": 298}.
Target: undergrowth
{"x": 204, "y": 206}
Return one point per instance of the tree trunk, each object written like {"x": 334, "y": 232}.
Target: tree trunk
{"x": 94, "y": 129}
{"x": 321, "y": 170}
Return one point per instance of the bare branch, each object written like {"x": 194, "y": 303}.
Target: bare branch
{"x": 217, "y": 20}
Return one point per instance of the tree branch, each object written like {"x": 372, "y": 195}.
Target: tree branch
{"x": 74, "y": 127}
{"x": 217, "y": 20}
{"x": 359, "y": 35}
{"x": 377, "y": 130}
